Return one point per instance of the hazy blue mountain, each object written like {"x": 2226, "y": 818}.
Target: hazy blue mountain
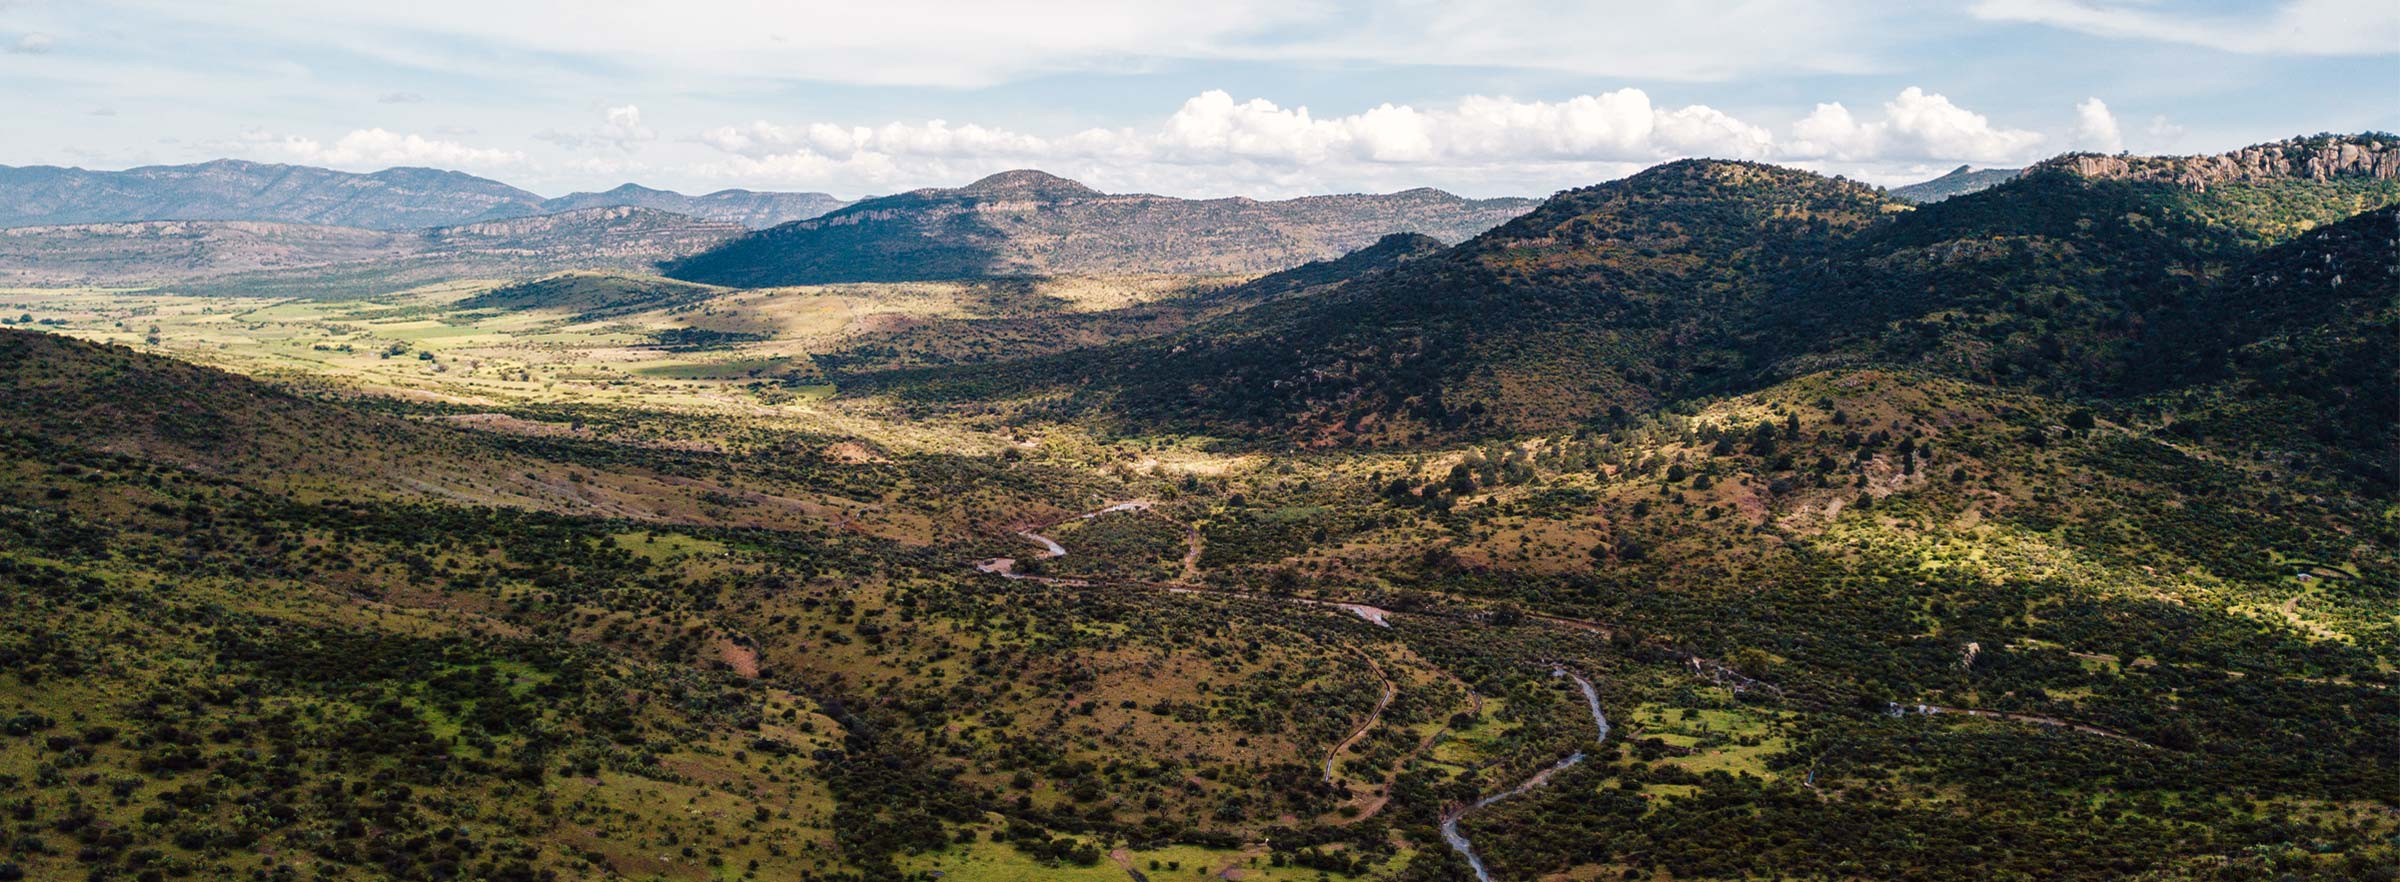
{"x": 1960, "y": 181}
{"x": 392, "y": 199}
{"x": 232, "y": 189}
{"x": 261, "y": 257}
{"x": 755, "y": 209}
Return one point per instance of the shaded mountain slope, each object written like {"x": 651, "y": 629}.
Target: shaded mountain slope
{"x": 2306, "y": 334}
{"x": 1703, "y": 277}
{"x": 113, "y": 401}
{"x": 1387, "y": 253}
{"x": 1614, "y": 295}
{"x": 2050, "y": 278}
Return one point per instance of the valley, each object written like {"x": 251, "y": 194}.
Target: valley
{"x": 1722, "y": 522}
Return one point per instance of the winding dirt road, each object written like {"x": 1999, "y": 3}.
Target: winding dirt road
{"x": 1189, "y": 584}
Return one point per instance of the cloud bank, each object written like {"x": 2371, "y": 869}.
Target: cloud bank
{"x": 378, "y": 147}
{"x": 1915, "y": 126}
{"x": 1270, "y": 148}
{"x": 949, "y": 44}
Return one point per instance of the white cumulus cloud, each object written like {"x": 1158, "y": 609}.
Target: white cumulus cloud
{"x": 1214, "y": 142}
{"x": 620, "y": 128}
{"x": 1619, "y": 125}
{"x": 1256, "y": 135}
{"x": 625, "y": 124}
{"x": 385, "y": 148}
{"x": 2096, "y": 128}
{"x": 2162, "y": 132}
{"x": 1915, "y": 125}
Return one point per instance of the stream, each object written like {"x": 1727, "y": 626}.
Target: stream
{"x": 1458, "y": 841}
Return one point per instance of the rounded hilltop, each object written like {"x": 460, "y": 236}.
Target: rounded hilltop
{"x": 1028, "y": 183}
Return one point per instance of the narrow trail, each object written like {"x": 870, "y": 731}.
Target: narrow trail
{"x": 1006, "y": 567}
{"x": 1714, "y": 671}
{"x": 1382, "y": 797}
{"x": 1373, "y": 717}
{"x": 1124, "y": 860}
{"x": 2034, "y": 719}
{"x": 1189, "y": 584}
{"x": 1458, "y": 841}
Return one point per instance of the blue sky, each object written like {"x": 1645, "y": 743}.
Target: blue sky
{"x": 1223, "y": 97}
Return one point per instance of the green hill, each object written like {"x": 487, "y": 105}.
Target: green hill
{"x": 1701, "y": 276}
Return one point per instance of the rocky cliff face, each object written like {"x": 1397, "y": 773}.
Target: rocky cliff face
{"x": 2321, "y": 158}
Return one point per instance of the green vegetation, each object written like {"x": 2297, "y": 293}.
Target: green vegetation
{"x": 2041, "y": 533}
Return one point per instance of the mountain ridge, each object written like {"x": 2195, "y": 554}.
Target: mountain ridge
{"x": 1031, "y": 223}
{"x": 204, "y": 255}
{"x": 232, "y": 189}
{"x": 392, "y": 199}
{"x": 2324, "y": 157}
{"x": 1702, "y": 276}
{"x": 754, "y": 209}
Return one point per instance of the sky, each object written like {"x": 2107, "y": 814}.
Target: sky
{"x": 1261, "y": 98}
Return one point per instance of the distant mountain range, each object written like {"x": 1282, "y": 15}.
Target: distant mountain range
{"x": 1029, "y": 223}
{"x": 287, "y": 259}
{"x": 1960, "y": 181}
{"x": 750, "y": 208}
{"x": 392, "y": 199}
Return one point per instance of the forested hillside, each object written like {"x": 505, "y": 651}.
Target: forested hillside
{"x": 1704, "y": 276}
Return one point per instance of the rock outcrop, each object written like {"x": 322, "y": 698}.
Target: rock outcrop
{"x": 2321, "y": 158}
